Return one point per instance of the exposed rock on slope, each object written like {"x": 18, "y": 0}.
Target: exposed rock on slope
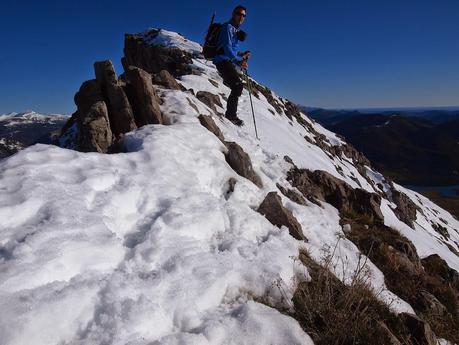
{"x": 168, "y": 232}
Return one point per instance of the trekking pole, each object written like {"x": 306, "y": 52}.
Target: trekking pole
{"x": 251, "y": 103}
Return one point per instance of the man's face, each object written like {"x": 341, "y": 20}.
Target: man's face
{"x": 239, "y": 16}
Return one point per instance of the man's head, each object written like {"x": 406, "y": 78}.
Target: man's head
{"x": 239, "y": 13}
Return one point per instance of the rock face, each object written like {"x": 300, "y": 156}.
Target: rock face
{"x": 92, "y": 119}
{"x": 165, "y": 79}
{"x": 153, "y": 59}
{"x": 209, "y": 123}
{"x": 209, "y": 99}
{"x": 241, "y": 163}
{"x": 144, "y": 99}
{"x": 95, "y": 133}
{"x": 119, "y": 108}
{"x": 107, "y": 108}
{"x": 436, "y": 266}
{"x": 420, "y": 331}
{"x": 406, "y": 209}
{"x": 320, "y": 185}
{"x": 277, "y": 214}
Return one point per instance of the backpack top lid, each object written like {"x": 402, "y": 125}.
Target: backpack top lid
{"x": 210, "y": 48}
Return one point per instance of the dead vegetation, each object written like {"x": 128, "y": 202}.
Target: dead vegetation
{"x": 333, "y": 313}
{"x": 433, "y": 294}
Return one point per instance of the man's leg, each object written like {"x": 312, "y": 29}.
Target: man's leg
{"x": 231, "y": 79}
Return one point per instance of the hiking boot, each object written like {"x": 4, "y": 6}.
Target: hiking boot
{"x": 236, "y": 120}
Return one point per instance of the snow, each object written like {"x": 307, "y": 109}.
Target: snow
{"x": 149, "y": 247}
{"x": 140, "y": 239}
{"x": 12, "y": 119}
{"x": 170, "y": 39}
{"x": 426, "y": 240}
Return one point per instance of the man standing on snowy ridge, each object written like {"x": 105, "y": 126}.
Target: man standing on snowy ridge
{"x": 228, "y": 42}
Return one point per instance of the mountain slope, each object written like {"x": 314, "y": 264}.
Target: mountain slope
{"x": 410, "y": 150}
{"x": 163, "y": 243}
{"x": 18, "y": 130}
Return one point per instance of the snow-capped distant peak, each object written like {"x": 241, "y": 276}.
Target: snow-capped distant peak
{"x": 14, "y": 118}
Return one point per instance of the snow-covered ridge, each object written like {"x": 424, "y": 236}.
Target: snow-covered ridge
{"x": 153, "y": 245}
{"x": 31, "y": 117}
{"x": 170, "y": 39}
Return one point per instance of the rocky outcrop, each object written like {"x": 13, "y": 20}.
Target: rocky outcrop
{"x": 95, "y": 134}
{"x": 291, "y": 194}
{"x": 320, "y": 185}
{"x": 143, "y": 97}
{"x": 420, "y": 331}
{"x": 436, "y": 266}
{"x": 255, "y": 88}
{"x": 153, "y": 58}
{"x": 209, "y": 123}
{"x": 107, "y": 108}
{"x": 119, "y": 108}
{"x": 406, "y": 209}
{"x": 241, "y": 163}
{"x": 277, "y": 214}
{"x": 165, "y": 79}
{"x": 209, "y": 99}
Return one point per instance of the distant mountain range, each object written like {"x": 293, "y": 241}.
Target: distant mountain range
{"x": 416, "y": 147}
{"x": 19, "y": 130}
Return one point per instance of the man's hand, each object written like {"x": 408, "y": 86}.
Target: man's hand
{"x": 244, "y": 64}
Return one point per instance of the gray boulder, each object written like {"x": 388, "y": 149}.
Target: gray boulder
{"x": 94, "y": 133}
{"x": 143, "y": 96}
{"x": 119, "y": 109}
{"x": 241, "y": 163}
{"x": 209, "y": 99}
{"x": 165, "y": 79}
{"x": 420, "y": 331}
{"x": 209, "y": 123}
{"x": 277, "y": 214}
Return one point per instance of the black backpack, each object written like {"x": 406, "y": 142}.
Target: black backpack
{"x": 210, "y": 48}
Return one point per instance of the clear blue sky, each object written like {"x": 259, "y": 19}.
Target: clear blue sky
{"x": 328, "y": 53}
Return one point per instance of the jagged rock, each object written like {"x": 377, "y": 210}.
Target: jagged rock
{"x": 94, "y": 133}
{"x": 325, "y": 187}
{"x": 255, "y": 87}
{"x": 390, "y": 338}
{"x": 209, "y": 123}
{"x": 164, "y": 78}
{"x": 428, "y": 302}
{"x": 277, "y": 214}
{"x": 213, "y": 82}
{"x": 145, "y": 102}
{"x": 192, "y": 104}
{"x": 88, "y": 94}
{"x": 441, "y": 230}
{"x": 231, "y": 184}
{"x": 406, "y": 208}
{"x": 288, "y": 160}
{"x": 119, "y": 109}
{"x": 436, "y": 266}
{"x": 209, "y": 99}
{"x": 292, "y": 195}
{"x": 420, "y": 331}
{"x": 153, "y": 59}
{"x": 241, "y": 163}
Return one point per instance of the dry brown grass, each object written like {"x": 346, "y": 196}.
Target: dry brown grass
{"x": 333, "y": 313}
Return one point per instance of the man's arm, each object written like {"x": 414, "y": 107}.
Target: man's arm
{"x": 226, "y": 44}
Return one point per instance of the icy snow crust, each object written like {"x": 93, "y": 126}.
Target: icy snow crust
{"x": 148, "y": 246}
